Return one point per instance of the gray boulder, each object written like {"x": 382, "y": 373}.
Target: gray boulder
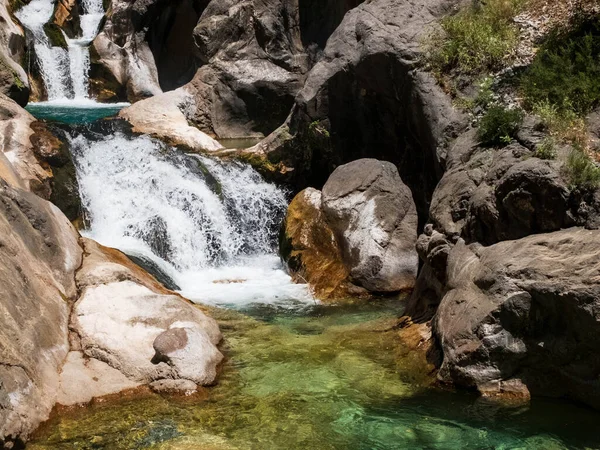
{"x": 521, "y": 317}
{"x": 374, "y": 218}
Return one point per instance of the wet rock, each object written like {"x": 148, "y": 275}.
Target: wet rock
{"x": 39, "y": 254}
{"x": 66, "y": 17}
{"x": 374, "y": 218}
{"x": 174, "y": 386}
{"x": 13, "y": 78}
{"x": 360, "y": 232}
{"x": 122, "y": 310}
{"x": 163, "y": 117}
{"x": 311, "y": 250}
{"x": 520, "y": 316}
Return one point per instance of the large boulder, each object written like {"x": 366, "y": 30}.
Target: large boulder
{"x": 38, "y": 258}
{"x": 373, "y": 214}
{"x": 122, "y": 321}
{"x": 311, "y": 251}
{"x": 522, "y": 316}
{"x": 361, "y": 230}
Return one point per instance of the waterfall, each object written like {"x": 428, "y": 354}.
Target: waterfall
{"x": 210, "y": 225}
{"x": 65, "y": 73}
{"x": 53, "y": 61}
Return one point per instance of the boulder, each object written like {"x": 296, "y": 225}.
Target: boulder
{"x": 123, "y": 316}
{"x": 66, "y": 16}
{"x": 39, "y": 254}
{"x": 358, "y": 235}
{"x": 13, "y": 78}
{"x": 311, "y": 251}
{"x": 163, "y": 117}
{"x": 521, "y": 317}
{"x": 373, "y": 215}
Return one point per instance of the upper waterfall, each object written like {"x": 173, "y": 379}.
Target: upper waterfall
{"x": 210, "y": 225}
{"x": 65, "y": 72}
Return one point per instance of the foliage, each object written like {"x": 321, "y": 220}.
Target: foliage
{"x": 477, "y": 39}
{"x": 566, "y": 72}
{"x": 485, "y": 95}
{"x": 581, "y": 170}
{"x": 563, "y": 123}
{"x": 546, "y": 149}
{"x": 499, "y": 125}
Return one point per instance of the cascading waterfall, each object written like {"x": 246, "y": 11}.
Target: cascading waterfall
{"x": 210, "y": 225}
{"x": 65, "y": 74}
{"x": 53, "y": 61}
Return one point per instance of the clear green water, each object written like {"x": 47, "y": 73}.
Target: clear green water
{"x": 318, "y": 378}
{"x": 72, "y": 112}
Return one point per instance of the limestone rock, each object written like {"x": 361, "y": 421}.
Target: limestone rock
{"x": 521, "y": 316}
{"x": 122, "y": 310}
{"x": 39, "y": 254}
{"x": 163, "y": 117}
{"x": 310, "y": 248}
{"x": 374, "y": 218}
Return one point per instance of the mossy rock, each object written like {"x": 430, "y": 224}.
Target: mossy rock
{"x": 55, "y": 35}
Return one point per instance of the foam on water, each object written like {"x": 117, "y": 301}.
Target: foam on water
{"x": 209, "y": 225}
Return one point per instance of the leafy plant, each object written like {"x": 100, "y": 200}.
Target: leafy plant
{"x": 566, "y": 72}
{"x": 563, "y": 123}
{"x": 581, "y": 171}
{"x": 477, "y": 39}
{"x": 546, "y": 149}
{"x": 499, "y": 125}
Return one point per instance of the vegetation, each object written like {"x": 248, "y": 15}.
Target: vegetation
{"x": 499, "y": 125}
{"x": 55, "y": 35}
{"x": 566, "y": 72}
{"x": 581, "y": 170}
{"x": 477, "y": 39}
{"x": 546, "y": 149}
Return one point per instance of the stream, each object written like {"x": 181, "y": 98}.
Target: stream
{"x": 297, "y": 374}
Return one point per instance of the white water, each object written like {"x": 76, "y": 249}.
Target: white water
{"x": 211, "y": 226}
{"x": 65, "y": 73}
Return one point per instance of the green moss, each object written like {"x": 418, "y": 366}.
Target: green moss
{"x": 55, "y": 35}
{"x": 478, "y": 39}
{"x": 499, "y": 125}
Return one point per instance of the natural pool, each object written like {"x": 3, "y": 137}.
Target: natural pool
{"x": 318, "y": 377}
{"x": 74, "y": 111}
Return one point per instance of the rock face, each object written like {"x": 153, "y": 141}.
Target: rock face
{"x": 522, "y": 316}
{"x": 367, "y": 97}
{"x": 362, "y": 228}
{"x": 13, "y": 79}
{"x": 38, "y": 258}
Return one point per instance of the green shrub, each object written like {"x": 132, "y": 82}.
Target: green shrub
{"x": 581, "y": 171}
{"x": 566, "y": 72}
{"x": 546, "y": 149}
{"x": 477, "y": 39}
{"x": 485, "y": 94}
{"x": 564, "y": 123}
{"x": 499, "y": 125}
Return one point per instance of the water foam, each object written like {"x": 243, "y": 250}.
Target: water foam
{"x": 210, "y": 225}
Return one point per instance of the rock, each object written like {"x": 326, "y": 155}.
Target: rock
{"x": 122, "y": 310}
{"x": 39, "y": 254}
{"x": 13, "y": 79}
{"x": 374, "y": 218}
{"x": 174, "y": 386}
{"x": 311, "y": 251}
{"x": 15, "y": 132}
{"x": 163, "y": 117}
{"x": 66, "y": 17}
{"x": 367, "y": 97}
{"x": 521, "y": 317}
{"x": 83, "y": 379}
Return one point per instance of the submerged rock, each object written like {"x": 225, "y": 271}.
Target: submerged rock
{"x": 362, "y": 228}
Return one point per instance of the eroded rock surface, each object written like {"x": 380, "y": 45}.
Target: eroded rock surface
{"x": 366, "y": 219}
{"x": 13, "y": 78}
